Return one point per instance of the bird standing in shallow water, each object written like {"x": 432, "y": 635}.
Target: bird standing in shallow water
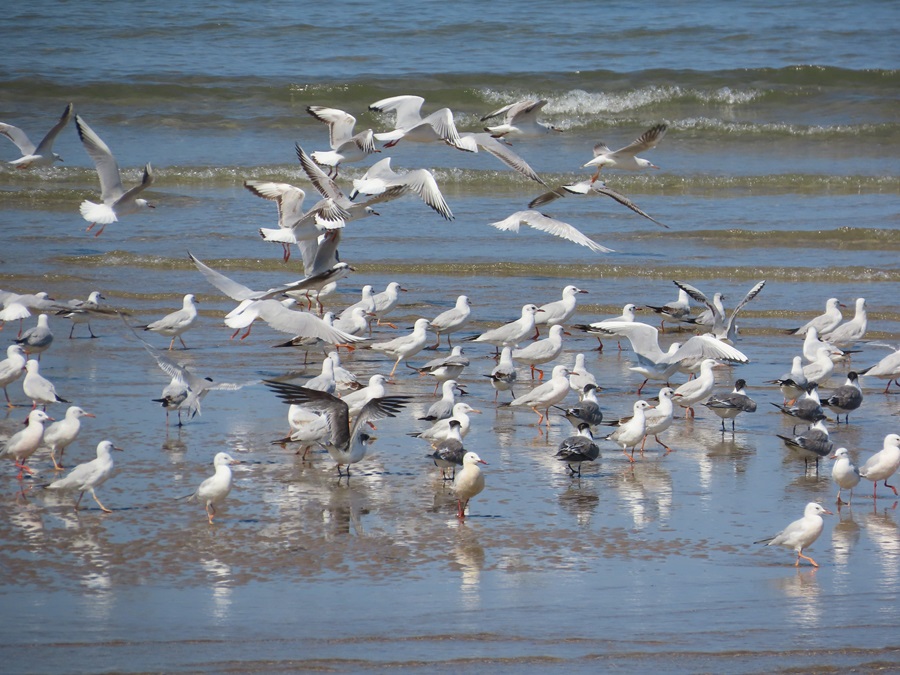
{"x": 468, "y": 482}
{"x": 214, "y": 489}
{"x": 801, "y": 533}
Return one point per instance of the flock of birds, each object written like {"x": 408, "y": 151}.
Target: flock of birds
{"x": 335, "y": 411}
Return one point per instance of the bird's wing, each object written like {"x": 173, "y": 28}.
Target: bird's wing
{"x": 444, "y": 126}
{"x": 320, "y": 180}
{"x": 422, "y": 182}
{"x": 229, "y": 287}
{"x": 19, "y": 137}
{"x": 645, "y": 141}
{"x": 334, "y": 409}
{"x": 624, "y": 201}
{"x": 47, "y": 141}
{"x": 504, "y": 153}
{"x": 288, "y": 197}
{"x": 303, "y": 324}
{"x": 546, "y": 198}
{"x": 340, "y": 123}
{"x": 557, "y": 228}
{"x": 406, "y": 108}
{"x": 377, "y": 409}
{"x": 696, "y": 294}
{"x": 707, "y": 347}
{"x": 107, "y": 168}
{"x": 643, "y": 337}
{"x": 752, "y": 293}
{"x": 146, "y": 181}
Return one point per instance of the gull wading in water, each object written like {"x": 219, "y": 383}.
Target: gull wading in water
{"x": 823, "y": 323}
{"x": 40, "y": 155}
{"x": 801, "y": 533}
{"x": 559, "y": 311}
{"x": 883, "y": 464}
{"x": 24, "y": 443}
{"x": 633, "y": 430}
{"x": 11, "y": 369}
{"x": 844, "y": 473}
{"x": 90, "y": 475}
{"x": 587, "y": 410}
{"x": 626, "y": 158}
{"x": 214, "y": 489}
{"x": 504, "y": 375}
{"x": 577, "y": 449}
{"x": 176, "y": 323}
{"x": 60, "y": 435}
{"x": 510, "y": 334}
{"x": 116, "y": 201}
{"x": 38, "y": 388}
{"x": 545, "y": 396}
{"x": 886, "y": 369}
{"x": 468, "y": 483}
{"x": 451, "y": 320}
{"x": 406, "y": 345}
{"x": 729, "y": 405}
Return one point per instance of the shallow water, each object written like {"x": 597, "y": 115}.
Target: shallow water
{"x": 779, "y": 164}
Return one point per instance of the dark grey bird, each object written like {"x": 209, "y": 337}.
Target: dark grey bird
{"x": 846, "y": 398}
{"x": 586, "y": 410}
{"x": 808, "y": 408}
{"x": 814, "y": 443}
{"x": 730, "y": 405}
{"x": 793, "y": 383}
{"x": 346, "y": 444}
{"x": 449, "y": 453}
{"x": 577, "y": 449}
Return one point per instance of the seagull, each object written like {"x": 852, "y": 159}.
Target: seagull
{"x": 468, "y": 483}
{"x": 854, "y": 330}
{"x": 678, "y": 310}
{"x": 545, "y": 395}
{"x": 503, "y": 376}
{"x": 380, "y": 177}
{"x": 177, "y": 322}
{"x": 510, "y": 334}
{"x": 442, "y": 408}
{"x": 444, "y": 369}
{"x": 886, "y": 369}
{"x": 90, "y": 475}
{"x": 451, "y": 320}
{"x": 441, "y": 429}
{"x": 406, "y": 345}
{"x": 589, "y": 187}
{"x": 11, "y": 369}
{"x": 558, "y": 312}
{"x": 807, "y": 408}
{"x": 824, "y": 323}
{"x": 261, "y": 304}
{"x": 115, "y": 200}
{"x": 821, "y": 368}
{"x": 449, "y": 453}
{"x": 633, "y": 431}
{"x": 37, "y": 387}
{"x": 846, "y": 398}
{"x": 473, "y": 142}
{"x": 812, "y": 343}
{"x": 793, "y": 383}
{"x": 626, "y": 158}
{"x": 386, "y": 301}
{"x": 40, "y": 155}
{"x": 17, "y": 306}
{"x": 345, "y": 145}
{"x": 355, "y": 324}
{"x": 723, "y": 328}
{"x": 346, "y": 443}
{"x": 410, "y": 125}
{"x": 289, "y": 199}
{"x": 577, "y": 449}
{"x": 214, "y": 489}
{"x": 59, "y": 435}
{"x": 730, "y": 405}
{"x": 801, "y": 533}
{"x": 587, "y": 410}
{"x": 814, "y": 443}
{"x": 579, "y": 376}
{"x": 626, "y": 316}
{"x": 24, "y": 443}
{"x": 557, "y": 228}
{"x": 844, "y": 473}
{"x": 520, "y": 120}
{"x": 660, "y": 418}
{"x": 883, "y": 464}
{"x": 541, "y": 351}
{"x": 38, "y": 339}
{"x": 82, "y": 312}
{"x": 694, "y": 391}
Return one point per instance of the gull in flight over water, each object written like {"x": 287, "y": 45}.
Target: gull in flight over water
{"x": 345, "y": 145}
{"x": 40, "y": 155}
{"x": 626, "y": 158}
{"x": 538, "y": 221}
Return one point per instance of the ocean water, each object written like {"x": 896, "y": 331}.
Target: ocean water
{"x": 780, "y": 163}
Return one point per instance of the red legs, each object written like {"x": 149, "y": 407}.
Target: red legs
{"x": 629, "y": 456}
{"x": 642, "y": 386}
{"x": 805, "y": 557}
{"x": 182, "y": 342}
{"x": 541, "y": 417}
{"x": 286, "y": 252}
{"x": 668, "y": 449}
{"x": 249, "y": 328}
{"x": 890, "y": 486}
{"x": 461, "y": 509}
{"x": 600, "y": 346}
{"x": 537, "y": 333}
{"x": 595, "y": 176}
{"x": 98, "y": 232}
{"x": 348, "y": 347}
{"x": 21, "y": 467}
{"x": 210, "y": 512}
{"x": 533, "y": 368}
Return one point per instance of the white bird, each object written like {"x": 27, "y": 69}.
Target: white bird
{"x": 355, "y": 400}
{"x": 17, "y": 306}
{"x": 559, "y": 311}
{"x": 289, "y": 200}
{"x": 591, "y": 187}
{"x": 468, "y": 483}
{"x": 344, "y": 380}
{"x": 89, "y": 476}
{"x": 854, "y": 330}
{"x": 846, "y": 398}
{"x": 678, "y": 310}
{"x": 578, "y": 449}
{"x": 406, "y": 345}
{"x": 510, "y": 334}
{"x": 541, "y": 351}
{"x": 579, "y": 376}
{"x": 12, "y": 367}
{"x": 260, "y": 304}
{"x": 520, "y": 120}
{"x": 823, "y": 323}
{"x": 844, "y": 473}
{"x": 324, "y": 381}
{"x": 696, "y": 390}
{"x": 546, "y": 395}
{"x": 660, "y": 417}
{"x": 22, "y": 444}
{"x": 37, "y": 339}
{"x": 451, "y": 320}
{"x": 346, "y": 444}
{"x": 443, "y": 407}
{"x": 632, "y": 431}
{"x": 441, "y": 429}
{"x": 444, "y": 368}
{"x": 355, "y": 324}
{"x": 792, "y": 383}
{"x": 729, "y": 405}
{"x": 410, "y": 125}
{"x": 40, "y": 155}
{"x": 386, "y": 301}
{"x": 116, "y": 201}
{"x": 543, "y": 223}
{"x": 37, "y": 387}
{"x": 176, "y": 323}
{"x": 821, "y": 368}
{"x": 886, "y": 369}
{"x": 723, "y": 327}
{"x": 214, "y": 489}
{"x": 626, "y": 158}
{"x": 473, "y": 142}
{"x": 345, "y": 145}
{"x": 801, "y": 533}
{"x": 504, "y": 375}
{"x": 807, "y": 408}
{"x": 812, "y": 343}
{"x": 380, "y": 178}
{"x": 80, "y": 311}
{"x": 60, "y": 435}
{"x": 883, "y": 464}
{"x": 366, "y": 302}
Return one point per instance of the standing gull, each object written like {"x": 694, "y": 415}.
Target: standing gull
{"x": 545, "y": 396}
{"x": 11, "y": 369}
{"x": 23, "y": 444}
{"x": 444, "y": 368}
{"x": 40, "y": 155}
{"x": 729, "y": 405}
{"x": 214, "y": 489}
{"x": 558, "y": 312}
{"x": 89, "y": 476}
{"x": 510, "y": 334}
{"x": 451, "y": 320}
{"x": 406, "y": 345}
{"x": 814, "y": 443}
{"x": 577, "y": 449}
{"x": 793, "y": 383}
{"x": 504, "y": 375}
{"x": 844, "y": 473}
{"x": 694, "y": 391}
{"x": 442, "y": 408}
{"x": 174, "y": 324}
{"x": 883, "y": 464}
{"x": 37, "y": 339}
{"x": 37, "y": 387}
{"x": 633, "y": 431}
{"x": 801, "y": 533}
{"x": 824, "y": 323}
{"x": 587, "y": 410}
{"x": 441, "y": 429}
{"x": 853, "y": 331}
{"x": 468, "y": 483}
{"x": 886, "y": 369}
{"x": 678, "y": 310}
{"x": 541, "y": 351}
{"x": 60, "y": 435}
{"x": 449, "y": 453}
{"x": 82, "y": 311}
{"x": 846, "y": 398}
